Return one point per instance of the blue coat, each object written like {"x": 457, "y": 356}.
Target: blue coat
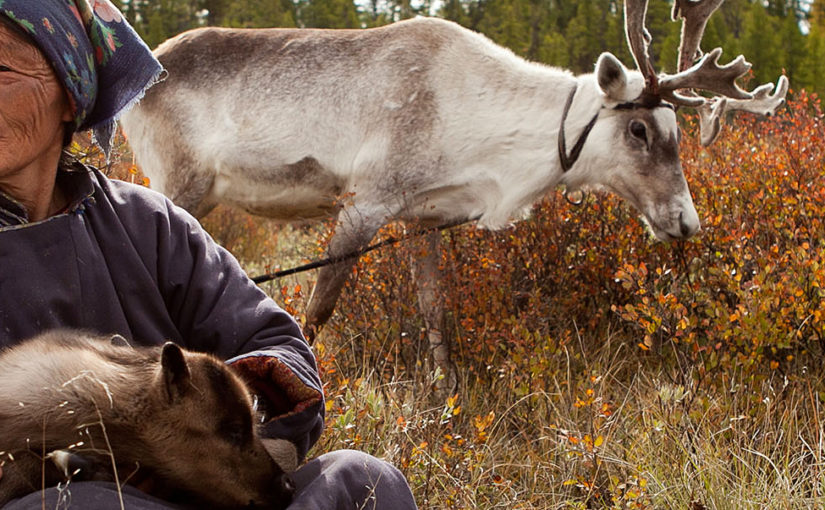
{"x": 123, "y": 259}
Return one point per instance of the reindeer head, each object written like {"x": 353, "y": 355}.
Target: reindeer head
{"x": 207, "y": 445}
{"x": 640, "y": 157}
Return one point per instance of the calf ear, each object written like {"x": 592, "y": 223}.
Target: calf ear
{"x": 175, "y": 372}
{"x": 615, "y": 81}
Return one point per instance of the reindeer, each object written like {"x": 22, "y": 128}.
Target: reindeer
{"x": 422, "y": 120}
{"x": 162, "y": 417}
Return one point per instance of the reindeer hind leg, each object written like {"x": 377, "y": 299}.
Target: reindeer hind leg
{"x": 427, "y": 274}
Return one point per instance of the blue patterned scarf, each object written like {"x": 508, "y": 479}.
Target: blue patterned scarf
{"x": 103, "y": 64}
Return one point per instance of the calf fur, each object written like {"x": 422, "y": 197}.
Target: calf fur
{"x": 177, "y": 423}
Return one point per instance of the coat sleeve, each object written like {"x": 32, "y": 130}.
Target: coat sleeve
{"x": 218, "y": 309}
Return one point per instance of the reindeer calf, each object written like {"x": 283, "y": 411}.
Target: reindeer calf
{"x": 179, "y": 422}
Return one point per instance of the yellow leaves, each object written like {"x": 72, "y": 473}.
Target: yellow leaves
{"x": 586, "y": 442}
{"x": 646, "y": 344}
{"x": 450, "y": 409}
{"x": 481, "y": 425}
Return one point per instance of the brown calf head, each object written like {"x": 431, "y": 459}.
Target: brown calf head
{"x": 205, "y": 439}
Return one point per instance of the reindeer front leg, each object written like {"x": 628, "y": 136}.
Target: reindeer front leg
{"x": 355, "y": 230}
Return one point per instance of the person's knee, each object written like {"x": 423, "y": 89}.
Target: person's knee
{"x": 345, "y": 479}
{"x": 356, "y": 464}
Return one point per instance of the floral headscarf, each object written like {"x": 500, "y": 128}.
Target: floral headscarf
{"x": 102, "y": 63}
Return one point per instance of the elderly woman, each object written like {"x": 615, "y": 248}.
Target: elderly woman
{"x": 79, "y": 250}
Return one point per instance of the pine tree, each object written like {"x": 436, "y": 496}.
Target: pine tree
{"x": 217, "y": 11}
{"x": 259, "y": 14}
{"x": 760, "y": 44}
{"x": 812, "y": 67}
{"x": 454, "y": 10}
{"x": 793, "y": 48}
{"x": 506, "y": 22}
{"x": 585, "y": 35}
{"x": 328, "y": 14}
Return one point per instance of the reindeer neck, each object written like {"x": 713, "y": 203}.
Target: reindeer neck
{"x": 514, "y": 114}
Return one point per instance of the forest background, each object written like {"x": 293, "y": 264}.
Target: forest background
{"x": 598, "y": 369}
{"x": 773, "y": 34}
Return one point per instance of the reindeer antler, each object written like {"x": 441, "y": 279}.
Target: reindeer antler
{"x": 694, "y": 15}
{"x": 762, "y": 102}
{"x": 638, "y": 38}
{"x": 706, "y": 74}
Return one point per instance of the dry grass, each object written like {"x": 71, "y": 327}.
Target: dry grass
{"x": 614, "y": 435}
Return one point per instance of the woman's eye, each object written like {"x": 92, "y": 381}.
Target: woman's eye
{"x": 4, "y": 69}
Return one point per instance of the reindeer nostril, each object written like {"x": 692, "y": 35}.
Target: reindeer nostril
{"x": 684, "y": 228}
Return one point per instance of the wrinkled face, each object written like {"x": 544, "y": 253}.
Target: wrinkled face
{"x": 643, "y": 168}
{"x": 215, "y": 455}
{"x": 33, "y": 104}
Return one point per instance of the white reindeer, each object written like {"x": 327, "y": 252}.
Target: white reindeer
{"x": 420, "y": 120}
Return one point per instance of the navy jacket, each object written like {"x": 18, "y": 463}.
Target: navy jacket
{"x": 123, "y": 259}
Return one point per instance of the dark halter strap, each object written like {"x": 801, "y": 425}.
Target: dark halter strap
{"x": 568, "y": 160}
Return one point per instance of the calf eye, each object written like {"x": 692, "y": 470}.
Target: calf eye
{"x": 236, "y": 438}
{"x": 234, "y": 432}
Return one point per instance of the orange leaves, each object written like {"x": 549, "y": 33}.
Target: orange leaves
{"x": 586, "y": 442}
{"x": 481, "y": 425}
{"x": 291, "y": 296}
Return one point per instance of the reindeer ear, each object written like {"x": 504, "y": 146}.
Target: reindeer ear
{"x": 175, "y": 371}
{"x": 615, "y": 81}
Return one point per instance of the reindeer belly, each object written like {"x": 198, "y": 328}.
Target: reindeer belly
{"x": 449, "y": 202}
{"x": 295, "y": 192}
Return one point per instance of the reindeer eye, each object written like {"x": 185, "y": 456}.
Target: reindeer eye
{"x": 638, "y": 129}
